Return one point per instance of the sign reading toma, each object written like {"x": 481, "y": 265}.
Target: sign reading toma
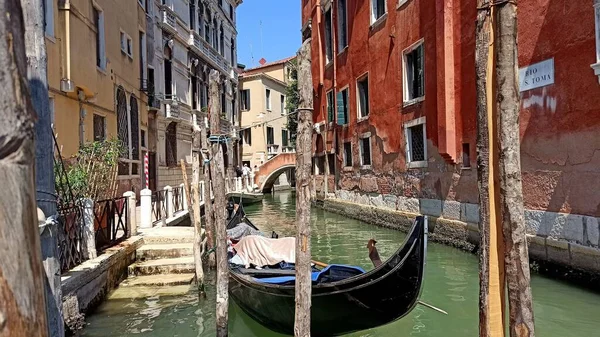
{"x": 536, "y": 75}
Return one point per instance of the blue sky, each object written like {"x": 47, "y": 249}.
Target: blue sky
{"x": 280, "y": 30}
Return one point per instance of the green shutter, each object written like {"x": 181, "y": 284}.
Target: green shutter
{"x": 341, "y": 115}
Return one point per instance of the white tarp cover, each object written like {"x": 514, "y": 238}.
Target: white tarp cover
{"x": 261, "y": 251}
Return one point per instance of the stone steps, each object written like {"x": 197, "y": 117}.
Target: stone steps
{"x": 159, "y": 280}
{"x": 178, "y": 265}
{"x": 164, "y": 251}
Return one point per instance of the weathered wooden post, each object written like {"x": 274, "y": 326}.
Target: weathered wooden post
{"x": 218, "y": 179}
{"x": 208, "y": 201}
{"x": 37, "y": 64}
{"x": 22, "y": 297}
{"x": 303, "y": 193}
{"x": 509, "y": 153}
{"x": 503, "y": 256}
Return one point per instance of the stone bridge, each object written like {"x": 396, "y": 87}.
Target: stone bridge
{"x": 268, "y": 172}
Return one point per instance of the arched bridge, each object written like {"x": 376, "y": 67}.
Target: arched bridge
{"x": 268, "y": 172}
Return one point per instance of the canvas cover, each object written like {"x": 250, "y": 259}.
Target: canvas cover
{"x": 261, "y": 251}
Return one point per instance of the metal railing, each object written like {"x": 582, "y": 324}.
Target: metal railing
{"x": 159, "y": 206}
{"x": 70, "y": 237}
{"x": 110, "y": 222}
{"x": 177, "y": 199}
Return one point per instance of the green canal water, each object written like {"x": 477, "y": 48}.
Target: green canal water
{"x": 451, "y": 283}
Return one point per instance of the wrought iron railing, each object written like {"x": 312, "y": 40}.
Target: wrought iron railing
{"x": 177, "y": 199}
{"x": 110, "y": 222}
{"x": 159, "y": 205}
{"x": 70, "y": 237}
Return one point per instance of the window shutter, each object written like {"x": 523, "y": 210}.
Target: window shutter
{"x": 421, "y": 71}
{"x": 341, "y": 116}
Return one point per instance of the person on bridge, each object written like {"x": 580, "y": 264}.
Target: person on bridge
{"x": 246, "y": 170}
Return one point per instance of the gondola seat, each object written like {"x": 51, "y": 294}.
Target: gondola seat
{"x": 331, "y": 273}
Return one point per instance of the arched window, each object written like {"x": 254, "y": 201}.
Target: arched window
{"x": 200, "y": 18}
{"x": 215, "y": 37}
{"x": 232, "y": 51}
{"x": 222, "y": 41}
{"x": 194, "y": 85}
{"x": 171, "y": 144}
{"x": 168, "y": 54}
{"x": 135, "y": 128}
{"x": 207, "y": 26}
{"x": 123, "y": 129}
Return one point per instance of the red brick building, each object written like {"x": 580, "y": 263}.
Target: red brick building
{"x": 395, "y": 105}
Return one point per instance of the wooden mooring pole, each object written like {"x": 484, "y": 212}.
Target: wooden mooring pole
{"x": 22, "y": 298}
{"x": 218, "y": 178}
{"x": 303, "y": 193}
{"x": 209, "y": 221}
{"x": 504, "y": 259}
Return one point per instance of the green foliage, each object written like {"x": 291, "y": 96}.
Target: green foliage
{"x": 91, "y": 173}
{"x": 293, "y": 96}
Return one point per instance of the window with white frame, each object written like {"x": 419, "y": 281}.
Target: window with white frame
{"x": 126, "y": 44}
{"x": 328, "y": 36}
{"x": 362, "y": 92}
{"x": 365, "y": 150}
{"x": 49, "y": 17}
{"x": 342, "y": 24}
{"x": 268, "y": 98}
{"x": 100, "y": 40}
{"x": 378, "y": 9}
{"x": 414, "y": 72}
{"x": 416, "y": 143}
{"x": 348, "y": 154}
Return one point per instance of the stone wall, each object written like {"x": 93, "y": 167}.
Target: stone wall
{"x": 86, "y": 285}
{"x": 172, "y": 176}
{"x": 569, "y": 240}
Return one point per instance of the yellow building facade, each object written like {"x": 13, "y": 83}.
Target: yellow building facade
{"x": 97, "y": 57}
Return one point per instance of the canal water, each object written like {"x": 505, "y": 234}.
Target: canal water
{"x": 451, "y": 283}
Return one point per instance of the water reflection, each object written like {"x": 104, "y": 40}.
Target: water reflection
{"x": 451, "y": 283}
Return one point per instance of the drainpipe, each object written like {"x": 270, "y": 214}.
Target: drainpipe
{"x": 82, "y": 113}
{"x": 66, "y": 84}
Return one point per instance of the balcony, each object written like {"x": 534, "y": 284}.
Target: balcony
{"x": 288, "y": 149}
{"x": 168, "y": 21}
{"x": 201, "y": 47}
{"x": 172, "y": 109}
{"x": 272, "y": 149}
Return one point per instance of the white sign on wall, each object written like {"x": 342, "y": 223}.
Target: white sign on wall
{"x": 536, "y": 75}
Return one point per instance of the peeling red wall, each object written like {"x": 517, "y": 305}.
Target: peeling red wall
{"x": 560, "y": 123}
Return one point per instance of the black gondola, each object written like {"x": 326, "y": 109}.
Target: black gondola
{"x": 380, "y": 296}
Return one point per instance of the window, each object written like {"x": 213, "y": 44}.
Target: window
{"x": 231, "y": 12}
{"x": 328, "y": 36}
{"x": 100, "y": 42}
{"x": 143, "y": 68}
{"x": 207, "y": 27}
{"x": 247, "y": 136}
{"x": 215, "y": 37}
{"x": 342, "y": 107}
{"x": 416, "y": 140}
{"x": 245, "y": 99}
{"x": 99, "y": 128}
{"x": 123, "y": 131}
{"x": 348, "y": 154}
{"x": 192, "y": 7}
{"x": 414, "y": 73}
{"x": 377, "y": 10}
{"x": 232, "y": 51}
{"x": 270, "y": 136}
{"x": 365, "y": 151}
{"x": 466, "y": 155}
{"x": 330, "y": 106}
{"x": 268, "y": 98}
{"x": 126, "y": 44}
{"x": 284, "y": 137}
{"x": 134, "y": 128}
{"x": 282, "y": 104}
{"x": 342, "y": 24}
{"x": 168, "y": 74}
{"x": 143, "y": 138}
{"x": 362, "y": 88}
{"x": 49, "y": 17}
{"x": 331, "y": 163}
{"x": 319, "y": 165}
{"x": 171, "y": 144}
{"x": 222, "y": 41}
